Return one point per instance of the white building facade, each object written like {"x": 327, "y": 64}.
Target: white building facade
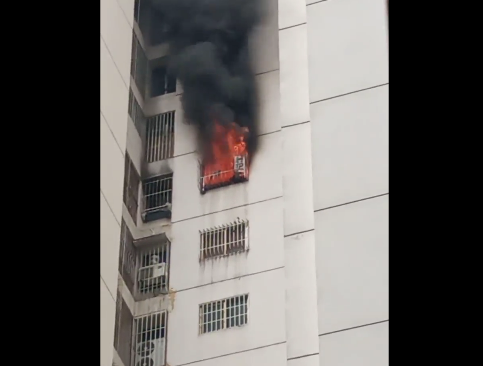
{"x": 289, "y": 268}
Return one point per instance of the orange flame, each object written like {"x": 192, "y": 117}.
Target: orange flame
{"x": 228, "y": 143}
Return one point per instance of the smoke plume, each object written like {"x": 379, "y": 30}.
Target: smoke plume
{"x": 210, "y": 56}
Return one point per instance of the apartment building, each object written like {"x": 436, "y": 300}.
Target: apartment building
{"x": 287, "y": 267}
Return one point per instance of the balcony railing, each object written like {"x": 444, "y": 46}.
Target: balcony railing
{"x": 210, "y": 179}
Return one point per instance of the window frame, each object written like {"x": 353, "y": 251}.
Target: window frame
{"x": 223, "y": 320}
{"x": 224, "y": 230}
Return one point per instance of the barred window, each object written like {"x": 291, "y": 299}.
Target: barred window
{"x": 127, "y": 257}
{"x": 157, "y": 197}
{"x": 136, "y": 112}
{"x": 224, "y": 239}
{"x": 160, "y": 137}
{"x": 150, "y": 339}
{"x": 123, "y": 330}
{"x": 152, "y": 275}
{"x": 223, "y": 314}
{"x": 131, "y": 186}
{"x": 139, "y": 65}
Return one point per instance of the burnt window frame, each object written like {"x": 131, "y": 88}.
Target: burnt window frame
{"x": 203, "y": 188}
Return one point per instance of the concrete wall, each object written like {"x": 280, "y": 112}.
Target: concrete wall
{"x": 298, "y": 212}
{"x": 115, "y": 43}
{"x": 270, "y": 355}
{"x": 352, "y": 264}
{"x": 265, "y": 241}
{"x": 348, "y": 93}
{"x": 265, "y": 319}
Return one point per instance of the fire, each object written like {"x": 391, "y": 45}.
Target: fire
{"x": 229, "y": 162}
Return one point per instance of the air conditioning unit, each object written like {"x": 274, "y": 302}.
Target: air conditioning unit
{"x": 152, "y": 272}
{"x": 151, "y": 353}
{"x": 150, "y": 277}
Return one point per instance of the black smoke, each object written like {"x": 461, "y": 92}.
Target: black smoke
{"x": 209, "y": 54}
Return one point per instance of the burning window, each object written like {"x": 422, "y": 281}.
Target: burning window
{"x": 224, "y": 239}
{"x": 223, "y": 314}
{"x": 157, "y": 197}
{"x": 160, "y": 137}
{"x": 228, "y": 163}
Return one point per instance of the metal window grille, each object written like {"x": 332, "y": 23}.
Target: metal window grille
{"x": 152, "y": 274}
{"x": 224, "y": 239}
{"x": 150, "y": 339}
{"x": 235, "y": 172}
{"x": 223, "y": 314}
{"x": 131, "y": 184}
{"x": 127, "y": 257}
{"x": 160, "y": 137}
{"x": 123, "y": 330}
{"x": 157, "y": 197}
{"x": 139, "y": 65}
{"x": 136, "y": 112}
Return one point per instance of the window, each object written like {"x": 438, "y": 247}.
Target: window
{"x": 229, "y": 163}
{"x": 123, "y": 330}
{"x": 150, "y": 339}
{"x": 127, "y": 257}
{"x": 223, "y": 314}
{"x": 157, "y": 197}
{"x": 162, "y": 82}
{"x": 224, "y": 239}
{"x": 131, "y": 186}
{"x": 144, "y": 263}
{"x": 139, "y": 65}
{"x": 160, "y": 137}
{"x": 136, "y": 112}
{"x": 152, "y": 274}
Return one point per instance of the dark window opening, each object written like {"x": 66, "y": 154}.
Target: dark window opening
{"x": 162, "y": 82}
